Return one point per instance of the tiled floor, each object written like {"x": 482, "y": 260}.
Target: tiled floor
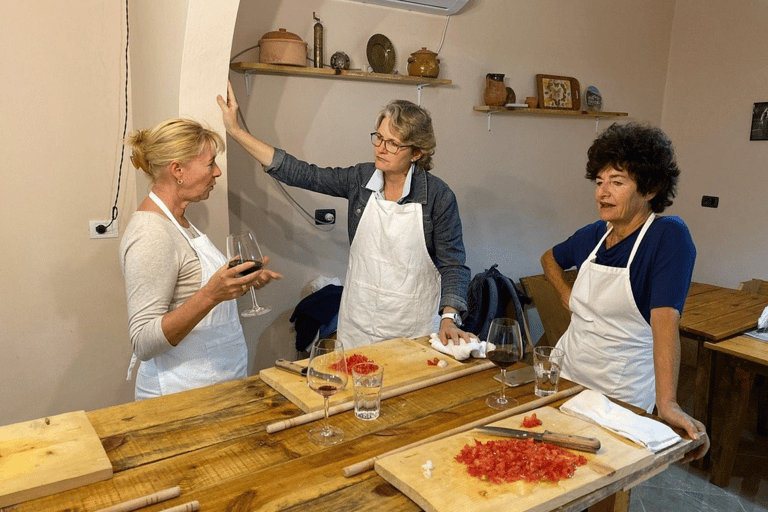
{"x": 682, "y": 488}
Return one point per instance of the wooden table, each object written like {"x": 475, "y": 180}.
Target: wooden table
{"x": 212, "y": 443}
{"x": 747, "y": 356}
{"x": 713, "y": 314}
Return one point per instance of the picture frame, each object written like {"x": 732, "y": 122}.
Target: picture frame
{"x": 759, "y": 128}
{"x": 558, "y": 92}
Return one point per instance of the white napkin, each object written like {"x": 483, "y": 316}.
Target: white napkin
{"x": 593, "y": 406}
{"x": 463, "y": 350}
{"x": 762, "y": 322}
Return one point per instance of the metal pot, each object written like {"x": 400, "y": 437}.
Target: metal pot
{"x": 282, "y": 47}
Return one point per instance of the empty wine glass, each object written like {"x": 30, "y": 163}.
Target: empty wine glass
{"x": 240, "y": 249}
{"x": 504, "y": 334}
{"x": 326, "y": 375}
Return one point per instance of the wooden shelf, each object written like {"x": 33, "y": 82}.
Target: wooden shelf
{"x": 547, "y": 112}
{"x": 273, "y": 69}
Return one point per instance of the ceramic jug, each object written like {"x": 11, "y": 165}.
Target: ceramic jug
{"x": 495, "y": 90}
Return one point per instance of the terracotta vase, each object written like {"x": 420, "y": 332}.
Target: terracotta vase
{"x": 495, "y": 90}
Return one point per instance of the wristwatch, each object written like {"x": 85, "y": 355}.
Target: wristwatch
{"x": 453, "y": 316}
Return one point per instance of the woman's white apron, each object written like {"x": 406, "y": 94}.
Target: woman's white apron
{"x": 214, "y": 351}
{"x": 609, "y": 345}
{"x": 392, "y": 289}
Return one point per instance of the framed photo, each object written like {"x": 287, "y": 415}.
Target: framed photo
{"x": 558, "y": 92}
{"x": 759, "y": 129}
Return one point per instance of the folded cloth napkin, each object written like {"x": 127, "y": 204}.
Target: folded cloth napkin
{"x": 463, "y": 350}
{"x": 593, "y": 406}
{"x": 762, "y": 322}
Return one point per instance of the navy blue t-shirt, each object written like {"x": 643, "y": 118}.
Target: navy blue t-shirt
{"x": 661, "y": 272}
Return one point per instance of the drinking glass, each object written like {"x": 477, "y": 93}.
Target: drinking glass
{"x": 240, "y": 249}
{"x": 507, "y": 349}
{"x": 326, "y": 375}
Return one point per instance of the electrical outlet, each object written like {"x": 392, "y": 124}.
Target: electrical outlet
{"x": 325, "y": 217}
{"x": 111, "y": 231}
{"x": 710, "y": 201}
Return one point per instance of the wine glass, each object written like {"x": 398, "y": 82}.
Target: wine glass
{"x": 504, "y": 334}
{"x": 240, "y": 249}
{"x": 326, "y": 375}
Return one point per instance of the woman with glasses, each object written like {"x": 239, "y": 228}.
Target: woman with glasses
{"x": 406, "y": 275}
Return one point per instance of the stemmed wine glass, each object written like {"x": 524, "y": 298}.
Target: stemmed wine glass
{"x": 326, "y": 375}
{"x": 504, "y": 334}
{"x": 240, "y": 249}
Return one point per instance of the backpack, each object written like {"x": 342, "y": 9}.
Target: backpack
{"x": 488, "y": 297}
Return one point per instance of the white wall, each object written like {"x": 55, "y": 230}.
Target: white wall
{"x": 520, "y": 186}
{"x": 718, "y": 70}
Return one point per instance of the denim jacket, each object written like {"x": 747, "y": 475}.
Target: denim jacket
{"x": 442, "y": 225}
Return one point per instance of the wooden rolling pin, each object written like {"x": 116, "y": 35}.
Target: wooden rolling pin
{"x": 349, "y": 405}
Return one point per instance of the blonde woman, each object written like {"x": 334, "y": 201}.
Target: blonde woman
{"x": 183, "y": 319}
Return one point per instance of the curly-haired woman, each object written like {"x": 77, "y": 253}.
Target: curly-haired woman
{"x": 634, "y": 271}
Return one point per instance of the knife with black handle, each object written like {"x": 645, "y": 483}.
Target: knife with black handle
{"x": 302, "y": 370}
{"x": 583, "y": 444}
{"x": 291, "y": 367}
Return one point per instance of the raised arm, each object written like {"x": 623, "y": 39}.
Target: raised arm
{"x": 260, "y": 150}
{"x": 556, "y": 276}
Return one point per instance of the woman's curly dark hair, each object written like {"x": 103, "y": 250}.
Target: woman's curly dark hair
{"x": 645, "y": 153}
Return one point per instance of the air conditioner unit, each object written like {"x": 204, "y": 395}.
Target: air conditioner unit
{"x": 444, "y": 7}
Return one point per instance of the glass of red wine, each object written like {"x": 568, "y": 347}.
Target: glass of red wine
{"x": 326, "y": 375}
{"x": 241, "y": 249}
{"x": 505, "y": 347}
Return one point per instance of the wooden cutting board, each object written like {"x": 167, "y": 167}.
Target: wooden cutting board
{"x": 451, "y": 488}
{"x": 404, "y": 361}
{"x": 49, "y": 455}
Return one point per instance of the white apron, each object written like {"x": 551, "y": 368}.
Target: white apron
{"x": 609, "y": 345}
{"x": 392, "y": 289}
{"x": 214, "y": 351}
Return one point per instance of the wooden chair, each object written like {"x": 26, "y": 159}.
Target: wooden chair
{"x": 555, "y": 318}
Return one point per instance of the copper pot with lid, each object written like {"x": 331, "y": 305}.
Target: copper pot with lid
{"x": 282, "y": 47}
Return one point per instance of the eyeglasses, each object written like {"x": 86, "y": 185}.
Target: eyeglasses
{"x": 389, "y": 145}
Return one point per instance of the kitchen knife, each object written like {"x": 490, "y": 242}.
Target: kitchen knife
{"x": 301, "y": 370}
{"x": 584, "y": 444}
{"x": 291, "y": 367}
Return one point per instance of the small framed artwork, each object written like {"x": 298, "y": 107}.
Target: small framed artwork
{"x": 759, "y": 129}
{"x": 558, "y": 92}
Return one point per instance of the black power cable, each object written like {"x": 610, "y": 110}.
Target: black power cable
{"x": 101, "y": 228}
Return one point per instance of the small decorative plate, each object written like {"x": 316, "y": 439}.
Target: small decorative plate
{"x": 381, "y": 54}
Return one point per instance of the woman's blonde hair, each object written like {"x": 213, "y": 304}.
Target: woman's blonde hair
{"x": 174, "y": 140}
{"x": 413, "y": 125}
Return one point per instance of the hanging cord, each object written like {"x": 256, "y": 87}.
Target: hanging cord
{"x": 321, "y": 225}
{"x": 102, "y": 228}
{"x": 445, "y": 31}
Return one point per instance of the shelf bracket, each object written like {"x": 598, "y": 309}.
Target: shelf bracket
{"x": 247, "y": 83}
{"x": 418, "y": 89}
{"x": 490, "y": 113}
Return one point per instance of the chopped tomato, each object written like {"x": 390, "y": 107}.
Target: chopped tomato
{"x": 531, "y": 421}
{"x": 351, "y": 361}
{"x": 433, "y": 361}
{"x": 511, "y": 460}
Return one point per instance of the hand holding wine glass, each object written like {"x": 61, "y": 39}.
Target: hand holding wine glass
{"x": 507, "y": 349}
{"x": 326, "y": 375}
{"x": 241, "y": 249}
